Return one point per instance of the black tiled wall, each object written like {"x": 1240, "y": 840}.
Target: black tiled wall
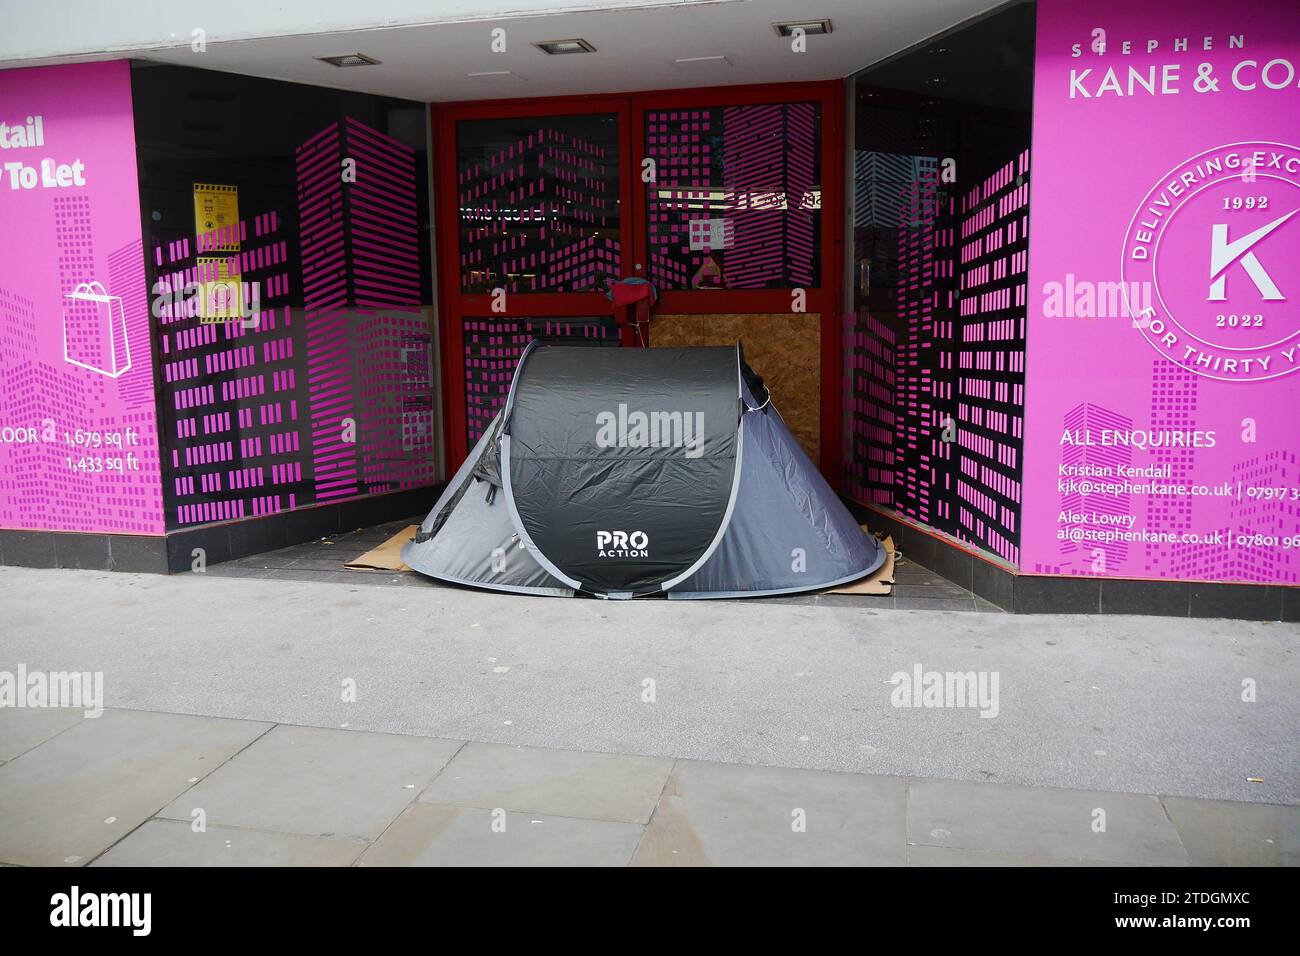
{"x": 1037, "y": 594}
{"x": 173, "y": 553}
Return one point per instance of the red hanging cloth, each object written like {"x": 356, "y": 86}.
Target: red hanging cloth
{"x": 632, "y": 299}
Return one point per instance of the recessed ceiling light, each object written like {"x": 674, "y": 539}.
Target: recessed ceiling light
{"x": 554, "y": 47}
{"x": 495, "y": 76}
{"x": 717, "y": 60}
{"x": 810, "y": 28}
{"x": 349, "y": 59}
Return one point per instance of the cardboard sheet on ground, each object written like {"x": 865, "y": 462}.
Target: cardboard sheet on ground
{"x": 880, "y": 581}
{"x": 386, "y": 557}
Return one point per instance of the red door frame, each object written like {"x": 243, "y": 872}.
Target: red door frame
{"x": 825, "y": 299}
{"x": 453, "y": 304}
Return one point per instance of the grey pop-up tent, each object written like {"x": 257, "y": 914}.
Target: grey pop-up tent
{"x": 632, "y": 472}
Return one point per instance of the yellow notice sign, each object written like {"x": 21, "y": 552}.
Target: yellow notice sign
{"x": 216, "y": 217}
{"x": 221, "y": 295}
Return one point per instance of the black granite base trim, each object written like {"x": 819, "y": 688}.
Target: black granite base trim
{"x": 1076, "y": 594}
{"x": 239, "y": 539}
{"x": 1056, "y": 595}
{"x": 955, "y": 564}
{"x": 191, "y": 548}
{"x": 1248, "y": 602}
{"x": 94, "y": 552}
{"x": 181, "y": 550}
{"x": 28, "y": 549}
{"x": 994, "y": 584}
{"x": 1291, "y": 605}
{"x": 1163, "y": 598}
{"x": 87, "y": 552}
{"x": 137, "y": 553}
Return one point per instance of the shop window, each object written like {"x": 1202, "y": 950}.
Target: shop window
{"x": 538, "y": 203}
{"x": 735, "y": 200}
{"x": 934, "y": 345}
{"x": 285, "y": 242}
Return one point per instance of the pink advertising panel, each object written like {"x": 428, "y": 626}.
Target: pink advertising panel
{"x": 78, "y": 442}
{"x": 1163, "y": 419}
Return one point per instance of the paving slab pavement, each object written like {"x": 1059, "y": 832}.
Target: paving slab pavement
{"x": 68, "y": 799}
{"x": 1106, "y": 703}
{"x": 730, "y": 815}
{"x": 598, "y": 786}
{"x": 922, "y": 855}
{"x": 318, "y": 782}
{"x": 1069, "y": 825}
{"x": 1222, "y": 833}
{"x": 436, "y": 835}
{"x": 29, "y": 726}
{"x": 177, "y": 843}
{"x": 120, "y": 790}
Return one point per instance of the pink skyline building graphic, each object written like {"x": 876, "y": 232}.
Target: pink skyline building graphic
{"x": 233, "y": 400}
{"x": 871, "y": 341}
{"x": 1253, "y": 557}
{"x": 492, "y": 349}
{"x": 870, "y": 381}
{"x": 681, "y": 145}
{"x": 769, "y": 152}
{"x": 1174, "y": 406}
{"x": 1077, "y": 557}
{"x": 990, "y": 358}
{"x": 923, "y": 400}
{"x": 54, "y": 484}
{"x": 755, "y": 168}
{"x": 935, "y": 393}
{"x": 540, "y": 215}
{"x": 1254, "y": 528}
{"x": 368, "y": 344}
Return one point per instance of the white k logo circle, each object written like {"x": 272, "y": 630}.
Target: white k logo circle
{"x": 1224, "y": 253}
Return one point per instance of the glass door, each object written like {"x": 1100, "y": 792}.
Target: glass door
{"x": 533, "y": 210}
{"x": 728, "y": 199}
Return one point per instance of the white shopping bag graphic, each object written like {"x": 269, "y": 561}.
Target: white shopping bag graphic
{"x": 94, "y": 331}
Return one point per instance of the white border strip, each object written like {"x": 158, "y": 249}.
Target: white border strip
{"x": 735, "y": 488}
{"x": 802, "y": 589}
{"x": 517, "y": 521}
{"x": 538, "y": 591}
